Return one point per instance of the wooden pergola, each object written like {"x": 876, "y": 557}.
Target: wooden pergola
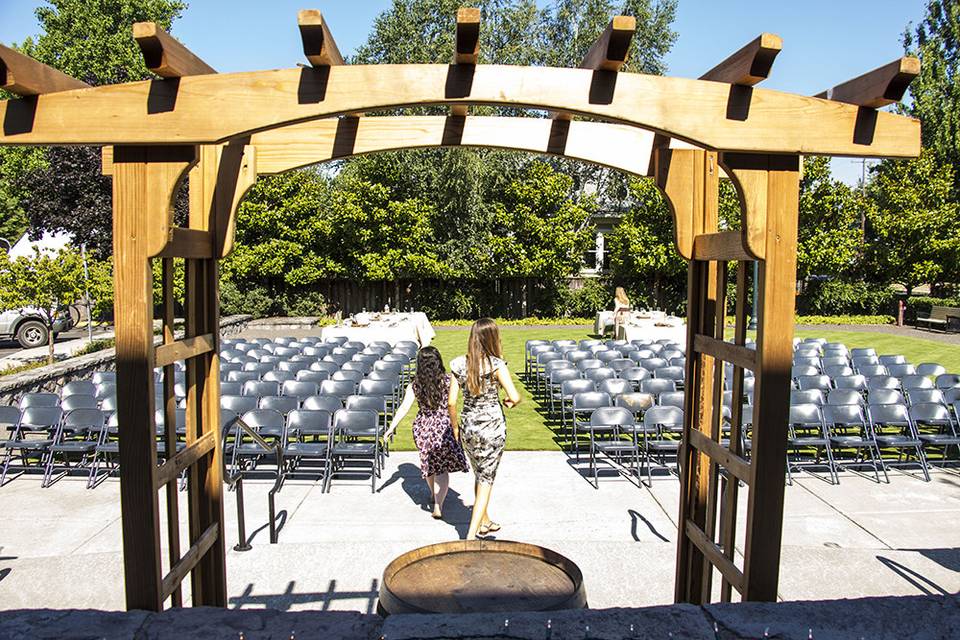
{"x": 223, "y": 130}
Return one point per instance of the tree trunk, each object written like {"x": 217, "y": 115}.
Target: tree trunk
{"x": 50, "y": 344}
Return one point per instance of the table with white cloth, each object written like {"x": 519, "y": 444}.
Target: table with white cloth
{"x": 604, "y": 320}
{"x": 385, "y": 327}
{"x": 653, "y": 328}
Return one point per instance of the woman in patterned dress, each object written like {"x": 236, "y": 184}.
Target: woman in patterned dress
{"x": 434, "y": 431}
{"x": 481, "y": 373}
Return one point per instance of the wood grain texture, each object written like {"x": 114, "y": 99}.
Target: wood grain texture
{"x": 190, "y": 559}
{"x": 168, "y": 299}
{"x": 721, "y": 350}
{"x": 215, "y": 108}
{"x": 612, "y": 48}
{"x": 467, "y": 42}
{"x": 188, "y": 243}
{"x": 144, "y": 183}
{"x": 170, "y": 470}
{"x": 749, "y": 177}
{"x": 25, "y": 76}
{"x": 185, "y": 349}
{"x": 750, "y": 65}
{"x": 318, "y": 44}
{"x": 878, "y": 88}
{"x": 165, "y": 55}
{"x": 723, "y": 245}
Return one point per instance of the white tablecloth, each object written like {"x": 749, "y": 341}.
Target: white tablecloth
{"x": 648, "y": 330}
{"x": 393, "y": 328}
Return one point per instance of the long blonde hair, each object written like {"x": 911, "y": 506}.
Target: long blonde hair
{"x": 484, "y": 343}
{"x": 621, "y": 296}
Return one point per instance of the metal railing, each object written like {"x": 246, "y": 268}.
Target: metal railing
{"x": 235, "y": 481}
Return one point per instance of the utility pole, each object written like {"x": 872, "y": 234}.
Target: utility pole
{"x": 86, "y": 292}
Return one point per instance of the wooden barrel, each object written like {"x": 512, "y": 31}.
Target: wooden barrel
{"x": 480, "y": 576}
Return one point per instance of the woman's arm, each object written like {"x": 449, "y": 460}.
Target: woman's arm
{"x": 402, "y": 411}
{"x": 513, "y": 396}
{"x": 452, "y": 406}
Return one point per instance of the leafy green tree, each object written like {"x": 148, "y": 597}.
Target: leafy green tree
{"x": 829, "y": 238}
{"x": 62, "y": 189}
{"x": 913, "y": 222}
{"x": 935, "y": 94}
{"x": 46, "y": 282}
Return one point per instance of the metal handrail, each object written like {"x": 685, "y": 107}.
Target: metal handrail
{"x": 235, "y": 480}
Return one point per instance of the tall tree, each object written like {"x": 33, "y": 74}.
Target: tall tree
{"x": 62, "y": 190}
{"x": 829, "y": 239}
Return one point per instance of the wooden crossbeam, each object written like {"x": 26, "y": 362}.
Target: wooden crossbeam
{"x": 466, "y": 46}
{"x": 733, "y": 463}
{"x": 165, "y": 55}
{"x": 175, "y": 465}
{"x": 24, "y": 76}
{"x": 609, "y": 52}
{"x": 709, "y": 548}
{"x": 318, "y": 44}
{"x": 188, "y": 243}
{"x": 726, "y": 351}
{"x": 750, "y": 65}
{"x": 723, "y": 245}
{"x": 877, "y": 88}
{"x": 183, "y": 349}
{"x": 189, "y": 560}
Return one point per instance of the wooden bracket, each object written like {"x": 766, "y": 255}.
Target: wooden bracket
{"x": 689, "y": 178}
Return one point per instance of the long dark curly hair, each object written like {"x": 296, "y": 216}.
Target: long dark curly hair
{"x": 430, "y": 382}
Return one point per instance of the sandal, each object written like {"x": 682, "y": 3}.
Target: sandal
{"x": 486, "y": 529}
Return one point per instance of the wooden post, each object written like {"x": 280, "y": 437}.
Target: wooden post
{"x": 144, "y": 183}
{"x": 777, "y": 300}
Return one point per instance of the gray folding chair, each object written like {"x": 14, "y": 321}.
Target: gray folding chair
{"x": 612, "y": 432}
{"x": 78, "y": 388}
{"x": 308, "y": 452}
{"x": 330, "y": 404}
{"x": 582, "y": 407}
{"x": 849, "y": 429}
{"x": 356, "y": 439}
{"x": 935, "y": 428}
{"x": 568, "y": 389}
{"x": 894, "y": 430}
{"x": 31, "y": 437}
{"x": 283, "y": 404}
{"x": 664, "y": 427}
{"x": 807, "y": 430}
{"x": 76, "y": 437}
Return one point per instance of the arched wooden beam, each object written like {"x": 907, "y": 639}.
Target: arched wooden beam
{"x": 216, "y": 108}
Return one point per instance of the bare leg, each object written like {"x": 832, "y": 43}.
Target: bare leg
{"x": 433, "y": 492}
{"x": 443, "y": 483}
{"x": 479, "y": 509}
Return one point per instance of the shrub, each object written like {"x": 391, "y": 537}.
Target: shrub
{"x": 835, "y": 297}
{"x": 583, "y": 302}
{"x": 306, "y": 304}
{"x": 862, "y": 319}
{"x": 255, "y": 301}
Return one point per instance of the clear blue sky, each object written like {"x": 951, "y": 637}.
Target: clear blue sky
{"x": 825, "y": 41}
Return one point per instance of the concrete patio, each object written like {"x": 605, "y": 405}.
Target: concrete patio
{"x": 61, "y": 547}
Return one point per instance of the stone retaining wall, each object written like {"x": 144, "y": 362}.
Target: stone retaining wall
{"x": 51, "y": 377}
{"x": 885, "y": 618}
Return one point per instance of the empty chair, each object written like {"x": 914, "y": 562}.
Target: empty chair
{"x": 821, "y": 382}
{"x": 609, "y": 356}
{"x": 635, "y": 375}
{"x": 663, "y": 426}
{"x": 339, "y": 388}
{"x": 882, "y": 382}
{"x": 270, "y": 425}
{"x": 837, "y": 370}
{"x": 78, "y": 388}
{"x": 554, "y": 385}
{"x": 568, "y": 390}
{"x": 308, "y": 375}
{"x": 652, "y": 364}
{"x": 259, "y": 367}
{"x": 947, "y": 380}
{"x": 577, "y": 355}
{"x": 670, "y": 373}
{"x": 345, "y": 374}
{"x": 902, "y": 370}
{"x": 364, "y": 367}
{"x": 951, "y": 395}
{"x": 872, "y": 370}
{"x": 892, "y": 359}
{"x": 885, "y": 396}
{"x": 807, "y": 430}
{"x": 930, "y": 369}
{"x": 309, "y": 451}
{"x": 38, "y": 399}
{"x": 299, "y": 389}
{"x": 230, "y": 388}
{"x": 99, "y": 377}
{"x": 807, "y": 396}
{"x": 356, "y": 439}
{"x": 583, "y": 405}
{"x": 105, "y": 389}
{"x": 328, "y": 367}
{"x": 292, "y": 366}
{"x": 278, "y": 376}
{"x": 331, "y": 404}
{"x": 599, "y": 373}
{"x": 337, "y": 358}
{"x": 656, "y": 386}
{"x": 243, "y": 376}
{"x": 238, "y": 404}
{"x": 670, "y": 399}
{"x": 935, "y": 427}
{"x": 849, "y": 429}
{"x": 863, "y": 351}
{"x": 75, "y": 438}
{"x": 588, "y": 363}
{"x": 260, "y": 388}
{"x": 614, "y": 387}
{"x": 856, "y": 382}
{"x": 31, "y": 437}
{"x": 834, "y": 361}
{"x": 70, "y": 403}
{"x": 283, "y": 404}
{"x": 613, "y": 433}
{"x": 807, "y": 361}
{"x": 925, "y": 396}
{"x": 839, "y": 397}
{"x": 9, "y": 417}
{"x": 893, "y": 429}
{"x": 915, "y": 382}
{"x": 803, "y": 370}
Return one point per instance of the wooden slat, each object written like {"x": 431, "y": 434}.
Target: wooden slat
{"x": 174, "y": 466}
{"x": 168, "y": 299}
{"x": 877, "y": 88}
{"x": 734, "y": 353}
{"x": 165, "y": 55}
{"x": 610, "y": 51}
{"x": 190, "y": 559}
{"x": 25, "y": 76}
{"x": 726, "y": 567}
{"x": 736, "y": 465}
{"x": 188, "y": 243}
{"x": 724, "y": 246}
{"x": 318, "y": 44}
{"x": 750, "y": 65}
{"x": 211, "y": 108}
{"x": 466, "y": 49}
{"x": 184, "y": 349}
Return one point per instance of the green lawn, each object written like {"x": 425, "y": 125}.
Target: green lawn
{"x": 526, "y": 428}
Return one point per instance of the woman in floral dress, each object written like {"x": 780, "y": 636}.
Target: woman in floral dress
{"x": 481, "y": 373}
{"x": 434, "y": 432}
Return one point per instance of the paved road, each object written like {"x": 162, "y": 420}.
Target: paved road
{"x": 10, "y": 347}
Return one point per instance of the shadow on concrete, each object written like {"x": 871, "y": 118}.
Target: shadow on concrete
{"x": 289, "y": 598}
{"x": 918, "y": 580}
{"x": 6, "y": 571}
{"x": 281, "y": 521}
{"x": 635, "y": 517}
{"x": 948, "y": 558}
{"x": 455, "y": 512}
